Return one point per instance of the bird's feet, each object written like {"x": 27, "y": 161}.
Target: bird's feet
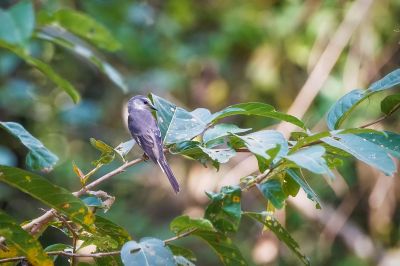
{"x": 145, "y": 157}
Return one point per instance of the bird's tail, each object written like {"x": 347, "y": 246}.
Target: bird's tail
{"x": 168, "y": 172}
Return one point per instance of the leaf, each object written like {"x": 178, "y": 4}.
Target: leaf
{"x": 345, "y": 105}
{"x": 45, "y": 69}
{"x": 390, "y": 104}
{"x": 17, "y": 23}
{"x": 224, "y": 211}
{"x": 176, "y": 124}
{"x": 38, "y": 157}
{"x": 273, "y": 191}
{"x": 269, "y": 221}
{"x": 290, "y": 186}
{"x": 390, "y": 141}
{"x": 115, "y": 231}
{"x": 305, "y": 186}
{"x": 311, "y": 159}
{"x": 51, "y": 195}
{"x": 222, "y": 245}
{"x": 124, "y": 148}
{"x": 22, "y": 241}
{"x": 363, "y": 150}
{"x": 180, "y": 260}
{"x": 107, "y": 152}
{"x": 258, "y": 109}
{"x": 148, "y": 252}
{"x": 92, "y": 201}
{"x": 83, "y": 26}
{"x": 57, "y": 247}
{"x": 213, "y": 135}
{"x": 69, "y": 41}
{"x": 182, "y": 252}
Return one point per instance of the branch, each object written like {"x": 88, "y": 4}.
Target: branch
{"x": 166, "y": 241}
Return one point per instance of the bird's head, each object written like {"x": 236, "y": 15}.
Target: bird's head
{"x": 140, "y": 102}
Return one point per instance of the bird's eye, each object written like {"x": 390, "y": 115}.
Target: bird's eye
{"x": 145, "y": 102}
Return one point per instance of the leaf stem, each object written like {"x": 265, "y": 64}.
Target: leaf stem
{"x": 166, "y": 241}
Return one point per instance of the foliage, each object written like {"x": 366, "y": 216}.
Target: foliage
{"x": 201, "y": 135}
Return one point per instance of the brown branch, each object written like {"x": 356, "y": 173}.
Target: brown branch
{"x": 374, "y": 122}
{"x": 166, "y": 241}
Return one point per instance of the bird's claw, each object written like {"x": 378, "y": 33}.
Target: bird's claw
{"x": 145, "y": 157}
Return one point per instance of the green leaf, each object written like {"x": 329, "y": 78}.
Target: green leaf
{"x": 21, "y": 242}
{"x": 38, "y": 157}
{"x": 45, "y": 69}
{"x": 116, "y": 232}
{"x": 213, "y": 135}
{"x": 273, "y": 191}
{"x": 390, "y": 104}
{"x": 345, "y": 105}
{"x": 74, "y": 44}
{"x": 363, "y": 150}
{"x": 176, "y": 124}
{"x": 83, "y": 26}
{"x": 182, "y": 261}
{"x": 57, "y": 247}
{"x": 183, "y": 252}
{"x": 290, "y": 186}
{"x": 17, "y": 23}
{"x": 124, "y": 148}
{"x": 269, "y": 221}
{"x": 148, "y": 252}
{"x": 311, "y": 159}
{"x": 51, "y": 195}
{"x": 390, "y": 141}
{"x": 305, "y": 186}
{"x": 258, "y": 109}
{"x": 107, "y": 152}
{"x": 224, "y": 211}
{"x": 222, "y": 245}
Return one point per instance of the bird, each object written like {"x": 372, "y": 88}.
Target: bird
{"x": 146, "y": 132}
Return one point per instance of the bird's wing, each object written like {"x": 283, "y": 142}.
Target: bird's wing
{"x": 150, "y": 142}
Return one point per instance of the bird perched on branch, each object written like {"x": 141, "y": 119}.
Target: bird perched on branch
{"x": 145, "y": 131}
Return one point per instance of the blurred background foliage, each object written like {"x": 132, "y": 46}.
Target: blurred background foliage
{"x": 209, "y": 54}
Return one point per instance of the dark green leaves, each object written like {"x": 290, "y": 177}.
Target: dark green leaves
{"x": 51, "y": 195}
{"x": 148, "y": 252}
{"x": 44, "y": 68}
{"x": 19, "y": 242}
{"x": 224, "y": 211}
{"x": 258, "y": 109}
{"x": 222, "y": 245}
{"x": 17, "y": 23}
{"x": 269, "y": 221}
{"x": 83, "y": 26}
{"x": 38, "y": 157}
{"x": 273, "y": 191}
{"x": 390, "y": 104}
{"x": 345, "y": 105}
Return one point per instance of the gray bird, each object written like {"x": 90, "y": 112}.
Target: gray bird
{"x": 145, "y": 131}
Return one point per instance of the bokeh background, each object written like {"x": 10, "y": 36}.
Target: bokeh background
{"x": 212, "y": 54}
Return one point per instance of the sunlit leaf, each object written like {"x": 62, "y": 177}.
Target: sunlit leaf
{"x": 44, "y": 68}
{"x": 83, "y": 26}
{"x": 222, "y": 245}
{"x": 273, "y": 191}
{"x": 363, "y": 150}
{"x": 269, "y": 221}
{"x": 257, "y": 109}
{"x": 304, "y": 185}
{"x": 124, "y": 148}
{"x": 224, "y": 211}
{"x": 49, "y": 194}
{"x": 17, "y": 23}
{"x": 38, "y": 157}
{"x": 214, "y": 135}
{"x": 390, "y": 141}
{"x": 107, "y": 152}
{"x": 148, "y": 252}
{"x": 390, "y": 104}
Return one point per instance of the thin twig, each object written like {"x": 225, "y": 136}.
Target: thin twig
{"x": 166, "y": 241}
{"x": 75, "y": 236}
{"x": 374, "y": 122}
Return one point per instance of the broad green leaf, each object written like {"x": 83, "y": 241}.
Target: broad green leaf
{"x": 222, "y": 245}
{"x": 390, "y": 104}
{"x": 74, "y": 44}
{"x": 273, "y": 191}
{"x": 290, "y": 186}
{"x": 44, "y": 68}
{"x": 304, "y": 185}
{"x": 312, "y": 159}
{"x": 58, "y": 247}
{"x": 182, "y": 261}
{"x": 21, "y": 242}
{"x": 345, "y": 105}
{"x": 183, "y": 252}
{"x": 124, "y": 148}
{"x": 390, "y": 141}
{"x": 17, "y": 23}
{"x": 219, "y": 155}
{"x": 176, "y": 124}
{"x": 49, "y": 194}
{"x": 107, "y": 152}
{"x": 269, "y": 221}
{"x": 148, "y": 252}
{"x": 258, "y": 109}
{"x": 363, "y": 150}
{"x": 83, "y": 26}
{"x": 38, "y": 157}
{"x": 214, "y": 135}
{"x": 116, "y": 232}
{"x": 224, "y": 211}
